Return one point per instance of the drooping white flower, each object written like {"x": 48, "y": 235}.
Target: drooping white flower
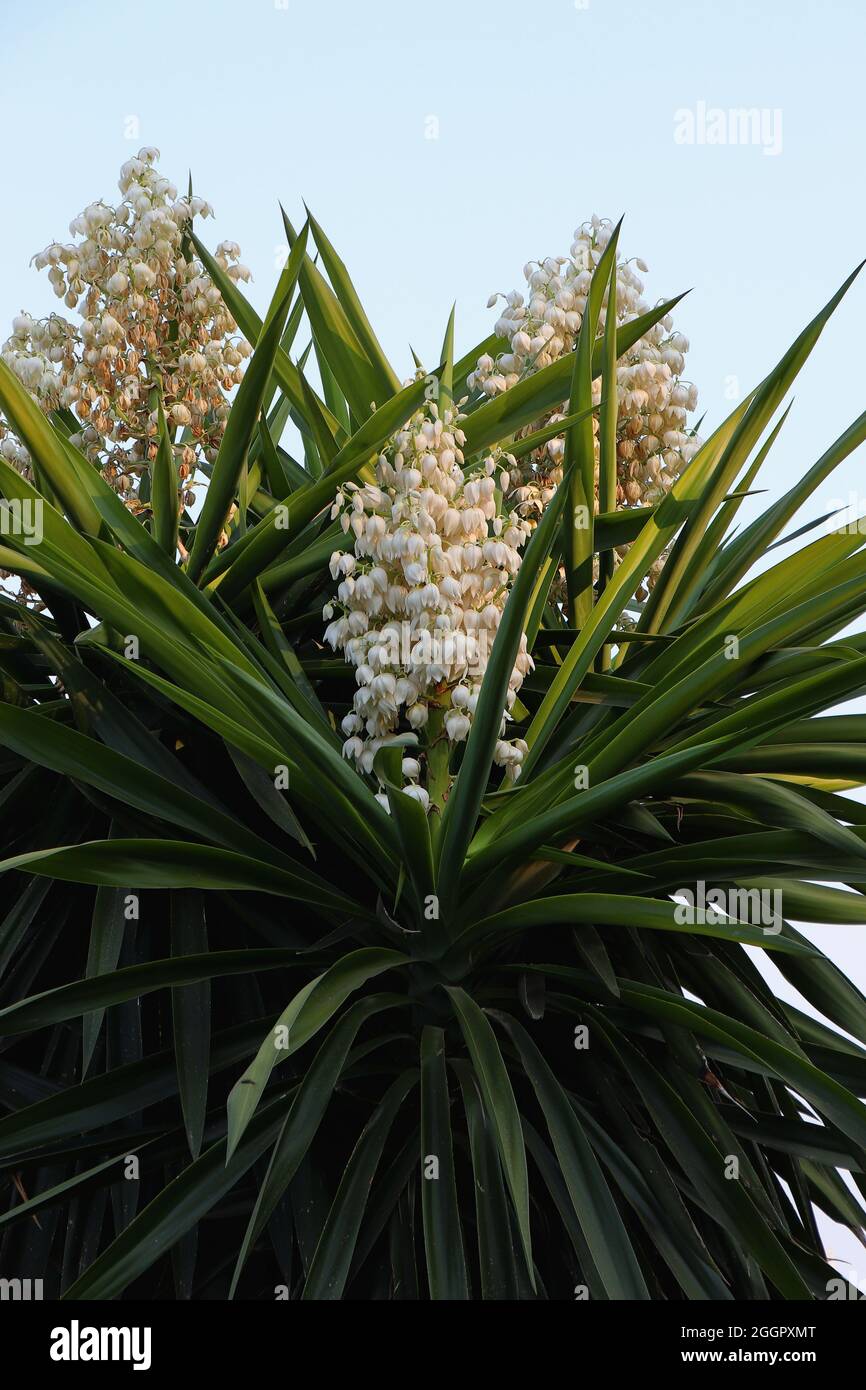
{"x": 147, "y": 305}
{"x": 421, "y": 590}
{"x": 653, "y": 443}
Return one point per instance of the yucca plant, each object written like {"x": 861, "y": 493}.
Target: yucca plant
{"x": 278, "y": 1025}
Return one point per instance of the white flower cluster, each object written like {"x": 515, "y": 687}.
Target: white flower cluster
{"x": 150, "y": 316}
{"x": 436, "y": 548}
{"x": 421, "y": 594}
{"x": 653, "y": 401}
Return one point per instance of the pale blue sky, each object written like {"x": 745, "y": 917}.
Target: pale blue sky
{"x": 546, "y": 113}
